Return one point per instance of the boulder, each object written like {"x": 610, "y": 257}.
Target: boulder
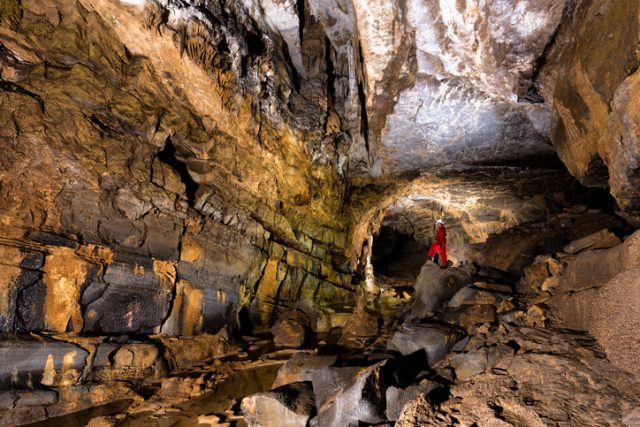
{"x": 288, "y": 333}
{"x": 469, "y": 364}
{"x": 135, "y": 356}
{"x": 288, "y": 406}
{"x": 302, "y": 367}
{"x": 434, "y": 339}
{"x": 331, "y": 381}
{"x": 363, "y": 400}
{"x": 475, "y": 315}
{"x": 493, "y": 287}
{"x": 534, "y": 276}
{"x": 598, "y": 240}
{"x": 469, "y": 296}
{"x": 319, "y": 321}
{"x": 359, "y": 329}
{"x": 186, "y": 352}
{"x": 434, "y": 286}
{"x": 398, "y": 397}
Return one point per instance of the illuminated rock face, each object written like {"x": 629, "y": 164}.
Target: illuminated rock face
{"x": 151, "y": 167}
{"x": 589, "y": 78}
{"x": 461, "y": 92}
{"x": 174, "y": 167}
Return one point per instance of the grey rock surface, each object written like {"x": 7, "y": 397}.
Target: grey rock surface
{"x": 434, "y": 339}
{"x": 290, "y": 405}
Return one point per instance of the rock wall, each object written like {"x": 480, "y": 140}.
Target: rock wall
{"x": 590, "y": 78}
{"x": 599, "y": 291}
{"x": 153, "y": 176}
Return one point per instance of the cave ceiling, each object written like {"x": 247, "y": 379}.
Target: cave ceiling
{"x": 333, "y": 95}
{"x": 417, "y": 85}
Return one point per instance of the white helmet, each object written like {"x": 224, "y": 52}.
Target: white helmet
{"x": 439, "y": 222}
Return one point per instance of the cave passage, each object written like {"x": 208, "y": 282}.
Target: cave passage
{"x": 218, "y": 213}
{"x": 397, "y": 255}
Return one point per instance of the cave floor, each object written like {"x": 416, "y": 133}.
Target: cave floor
{"x": 494, "y": 360}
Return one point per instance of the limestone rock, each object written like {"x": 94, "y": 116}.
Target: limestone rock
{"x": 290, "y": 405}
{"x": 36, "y": 398}
{"x": 588, "y": 79}
{"x": 288, "y": 333}
{"x": 565, "y": 380}
{"x": 302, "y": 367}
{"x": 185, "y": 353}
{"x": 534, "y": 276}
{"x": 470, "y": 296}
{"x": 397, "y": 398}
{"x": 597, "y": 292}
{"x": 360, "y": 328}
{"x": 469, "y": 364}
{"x": 599, "y": 240}
{"x": 434, "y": 286}
{"x": 363, "y": 401}
{"x": 472, "y": 68}
{"x": 434, "y": 339}
{"x": 364, "y": 398}
{"x": 330, "y": 381}
{"x": 29, "y": 363}
{"x": 135, "y": 356}
{"x": 473, "y": 316}
{"x": 122, "y": 303}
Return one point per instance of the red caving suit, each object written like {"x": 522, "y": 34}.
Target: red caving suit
{"x": 439, "y": 246}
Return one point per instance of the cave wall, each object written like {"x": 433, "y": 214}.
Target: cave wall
{"x": 226, "y": 155}
{"x": 152, "y": 176}
{"x": 590, "y": 78}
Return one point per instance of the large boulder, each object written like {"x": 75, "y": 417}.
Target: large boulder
{"x": 434, "y": 286}
{"x": 330, "y": 381}
{"x": 434, "y": 339}
{"x": 359, "y": 329}
{"x": 288, "y": 333}
{"x": 364, "y": 399}
{"x": 288, "y": 406}
{"x": 362, "y": 402}
{"x": 302, "y": 367}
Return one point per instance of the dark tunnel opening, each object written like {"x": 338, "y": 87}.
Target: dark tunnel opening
{"x": 396, "y": 254}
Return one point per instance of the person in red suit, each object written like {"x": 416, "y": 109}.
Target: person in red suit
{"x": 439, "y": 247}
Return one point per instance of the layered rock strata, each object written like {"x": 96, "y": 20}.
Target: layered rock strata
{"x": 153, "y": 177}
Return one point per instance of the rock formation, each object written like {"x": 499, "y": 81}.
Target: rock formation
{"x": 191, "y": 192}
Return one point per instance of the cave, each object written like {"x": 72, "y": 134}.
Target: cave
{"x": 218, "y": 213}
{"x": 396, "y": 254}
